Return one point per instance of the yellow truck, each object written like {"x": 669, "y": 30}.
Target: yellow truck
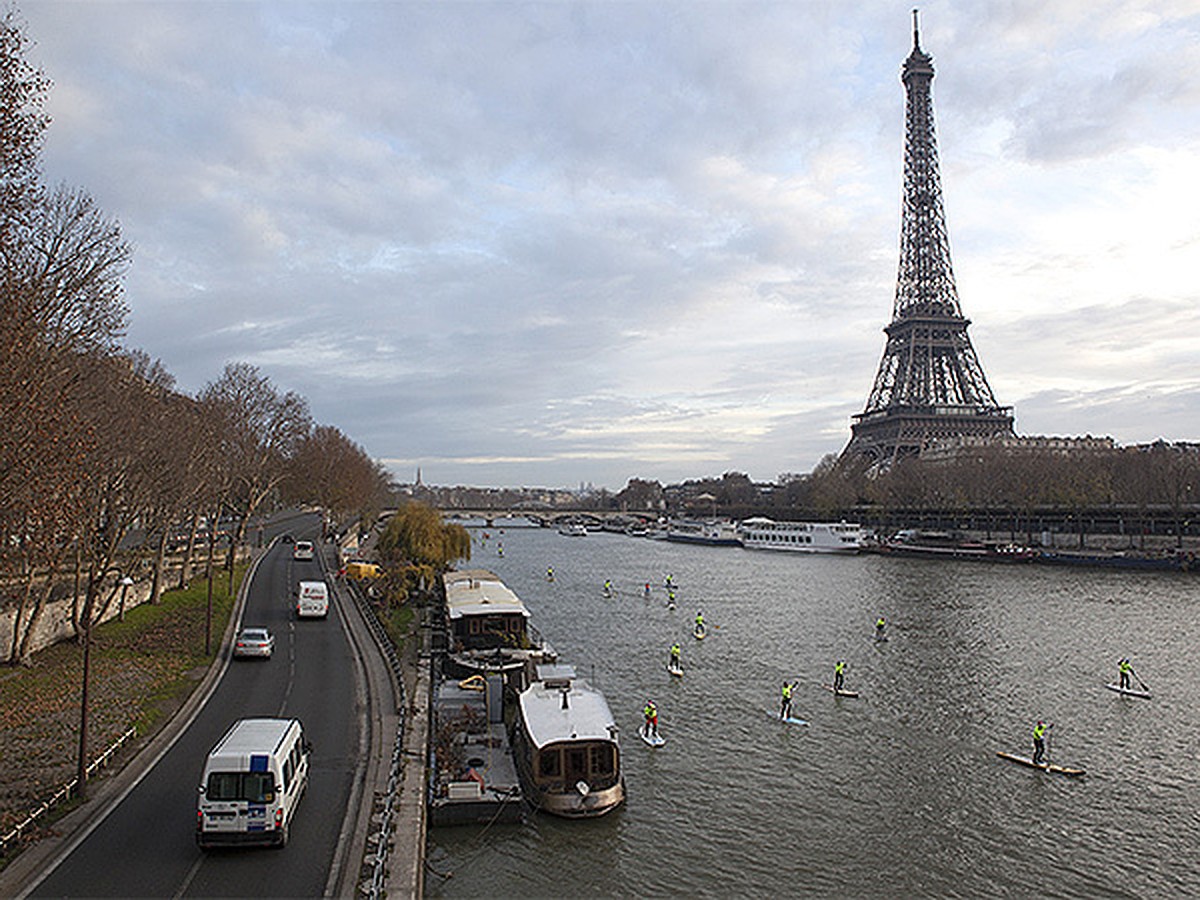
{"x": 357, "y": 570}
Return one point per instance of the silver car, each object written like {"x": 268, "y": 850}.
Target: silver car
{"x": 254, "y": 642}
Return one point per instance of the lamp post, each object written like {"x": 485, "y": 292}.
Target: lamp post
{"x": 125, "y": 583}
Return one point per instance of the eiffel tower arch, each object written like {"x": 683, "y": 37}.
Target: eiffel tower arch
{"x": 930, "y": 385}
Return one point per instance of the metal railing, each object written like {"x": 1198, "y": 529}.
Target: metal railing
{"x": 377, "y": 860}
{"x": 63, "y": 793}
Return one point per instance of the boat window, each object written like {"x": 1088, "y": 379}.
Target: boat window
{"x": 577, "y": 762}
{"x": 548, "y": 763}
{"x": 602, "y": 760}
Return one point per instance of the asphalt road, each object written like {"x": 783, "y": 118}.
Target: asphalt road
{"x": 146, "y": 846}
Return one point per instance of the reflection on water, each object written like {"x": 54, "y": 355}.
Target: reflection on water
{"x": 898, "y": 793}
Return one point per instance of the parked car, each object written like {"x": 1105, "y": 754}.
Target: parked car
{"x": 302, "y": 550}
{"x": 254, "y": 642}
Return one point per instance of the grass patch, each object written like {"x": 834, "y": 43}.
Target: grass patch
{"x": 398, "y": 623}
{"x": 143, "y": 668}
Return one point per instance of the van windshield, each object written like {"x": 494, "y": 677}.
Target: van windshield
{"x": 254, "y": 787}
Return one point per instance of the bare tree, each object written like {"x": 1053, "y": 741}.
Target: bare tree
{"x": 260, "y": 433}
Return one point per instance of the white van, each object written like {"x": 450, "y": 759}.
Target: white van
{"x": 312, "y": 599}
{"x": 302, "y": 550}
{"x": 252, "y": 784}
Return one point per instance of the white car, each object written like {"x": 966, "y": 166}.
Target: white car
{"x": 254, "y": 642}
{"x": 302, "y": 550}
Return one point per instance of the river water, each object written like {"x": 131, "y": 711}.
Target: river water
{"x": 897, "y": 794}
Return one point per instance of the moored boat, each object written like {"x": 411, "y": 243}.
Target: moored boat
{"x": 473, "y": 778}
{"x": 947, "y": 545}
{"x": 760, "y": 533}
{"x": 566, "y": 746}
{"x": 710, "y": 533}
{"x": 488, "y": 628}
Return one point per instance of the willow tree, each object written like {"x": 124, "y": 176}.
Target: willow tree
{"x": 417, "y": 546}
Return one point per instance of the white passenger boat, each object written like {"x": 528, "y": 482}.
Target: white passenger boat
{"x": 565, "y": 741}
{"x": 573, "y": 529}
{"x": 711, "y": 533}
{"x": 801, "y": 537}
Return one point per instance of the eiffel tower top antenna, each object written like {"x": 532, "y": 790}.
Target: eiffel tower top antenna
{"x": 916, "y": 33}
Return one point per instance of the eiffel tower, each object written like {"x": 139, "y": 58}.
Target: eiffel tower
{"x": 930, "y": 385}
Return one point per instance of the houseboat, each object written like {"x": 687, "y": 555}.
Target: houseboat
{"x": 472, "y": 776}
{"x": 951, "y": 545}
{"x": 566, "y": 747}
{"x": 801, "y": 537}
{"x": 488, "y": 628}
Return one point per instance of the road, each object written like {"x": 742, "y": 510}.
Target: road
{"x": 146, "y": 846}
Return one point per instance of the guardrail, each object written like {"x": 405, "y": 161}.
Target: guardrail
{"x": 64, "y": 792}
{"x": 377, "y": 859}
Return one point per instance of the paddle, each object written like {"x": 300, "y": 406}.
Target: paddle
{"x": 1139, "y": 679}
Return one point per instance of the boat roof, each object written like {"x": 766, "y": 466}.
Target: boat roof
{"x": 586, "y": 717}
{"x": 478, "y": 592}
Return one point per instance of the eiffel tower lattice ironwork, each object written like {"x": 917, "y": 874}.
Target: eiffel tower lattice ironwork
{"x": 930, "y": 385}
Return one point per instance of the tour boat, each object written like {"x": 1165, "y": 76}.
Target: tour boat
{"x": 800, "y": 537}
{"x": 712, "y": 533}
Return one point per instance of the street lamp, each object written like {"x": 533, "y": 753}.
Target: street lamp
{"x": 125, "y": 583}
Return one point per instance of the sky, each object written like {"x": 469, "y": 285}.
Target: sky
{"x": 548, "y": 244}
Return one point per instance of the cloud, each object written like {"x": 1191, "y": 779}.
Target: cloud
{"x": 551, "y": 243}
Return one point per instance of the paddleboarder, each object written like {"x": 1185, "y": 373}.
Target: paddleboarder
{"x": 699, "y": 622}
{"x": 879, "y": 626}
{"x": 608, "y": 588}
{"x": 839, "y": 675}
{"x": 549, "y": 573}
{"x": 1039, "y": 741}
{"x": 650, "y": 711}
{"x": 675, "y": 661}
{"x": 785, "y": 706}
{"x": 1126, "y": 668}
{"x": 646, "y": 594}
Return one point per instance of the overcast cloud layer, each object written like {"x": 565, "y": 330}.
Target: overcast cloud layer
{"x": 549, "y": 243}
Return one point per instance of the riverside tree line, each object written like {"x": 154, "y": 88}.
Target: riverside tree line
{"x": 97, "y": 443}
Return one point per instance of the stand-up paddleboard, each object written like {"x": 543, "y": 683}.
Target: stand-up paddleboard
{"x": 1045, "y": 767}
{"x": 677, "y": 671}
{"x": 880, "y": 638}
{"x": 699, "y": 634}
{"x": 840, "y": 693}
{"x": 1129, "y": 692}
{"x": 650, "y": 740}
{"x": 790, "y": 720}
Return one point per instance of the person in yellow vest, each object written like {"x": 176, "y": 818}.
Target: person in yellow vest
{"x": 785, "y": 706}
{"x": 650, "y": 711}
{"x": 839, "y": 675}
{"x": 879, "y": 626}
{"x": 675, "y": 661}
{"x": 1039, "y": 742}
{"x": 549, "y": 573}
{"x": 1126, "y": 667}
{"x": 699, "y": 622}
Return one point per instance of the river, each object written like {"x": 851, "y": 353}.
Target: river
{"x": 896, "y": 794}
